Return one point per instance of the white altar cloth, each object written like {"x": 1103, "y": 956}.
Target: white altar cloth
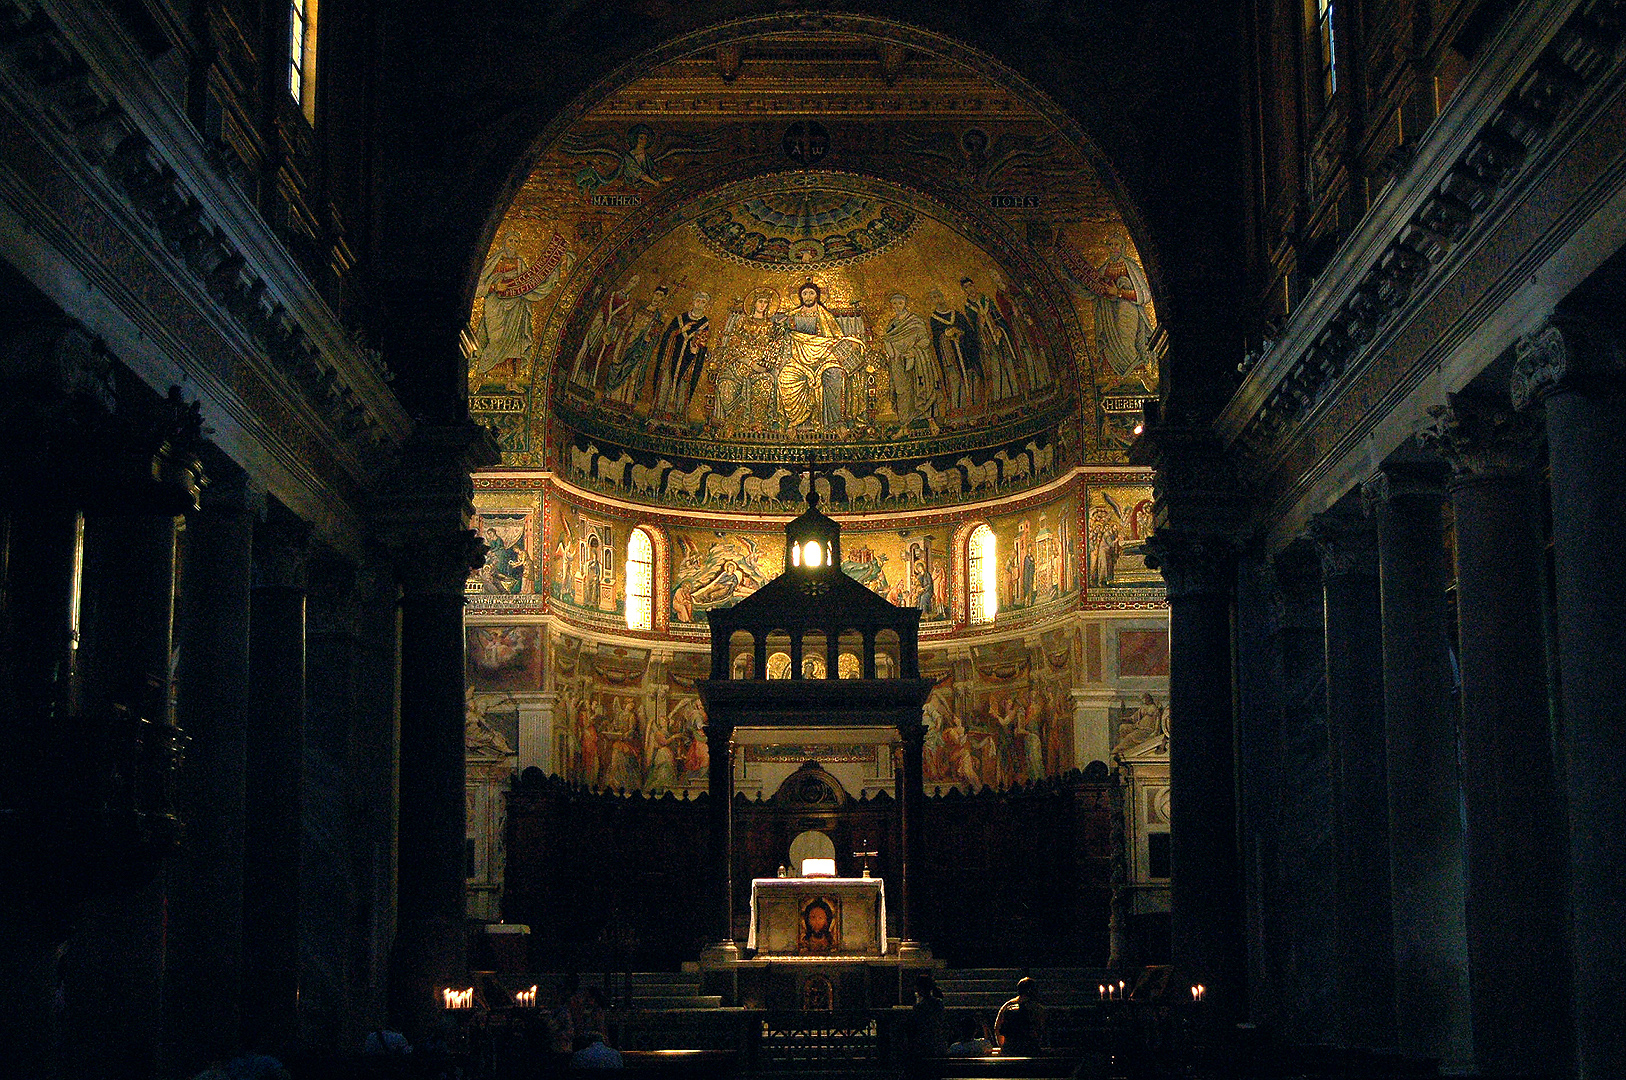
{"x": 863, "y": 913}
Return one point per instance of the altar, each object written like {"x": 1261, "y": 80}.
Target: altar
{"x": 818, "y": 916}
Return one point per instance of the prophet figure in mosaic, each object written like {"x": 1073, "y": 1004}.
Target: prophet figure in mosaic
{"x": 511, "y": 285}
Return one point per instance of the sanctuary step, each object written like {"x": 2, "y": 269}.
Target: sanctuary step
{"x": 668, "y": 990}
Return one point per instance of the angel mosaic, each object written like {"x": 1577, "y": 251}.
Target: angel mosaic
{"x": 635, "y": 159}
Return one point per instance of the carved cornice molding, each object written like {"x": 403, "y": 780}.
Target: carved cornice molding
{"x": 1481, "y": 440}
{"x": 1195, "y": 487}
{"x": 95, "y": 104}
{"x": 1569, "y": 354}
{"x": 1412, "y": 231}
{"x": 423, "y": 517}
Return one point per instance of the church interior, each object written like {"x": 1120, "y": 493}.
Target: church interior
{"x": 705, "y": 523}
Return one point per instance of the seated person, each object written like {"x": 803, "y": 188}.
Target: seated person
{"x": 972, "y": 1042}
{"x": 1019, "y": 1027}
{"x": 592, "y": 1053}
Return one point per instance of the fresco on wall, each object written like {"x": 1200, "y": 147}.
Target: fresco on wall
{"x": 1119, "y": 521}
{"x": 1007, "y": 722}
{"x": 504, "y": 658}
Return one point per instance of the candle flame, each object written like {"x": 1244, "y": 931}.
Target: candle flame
{"x": 459, "y": 999}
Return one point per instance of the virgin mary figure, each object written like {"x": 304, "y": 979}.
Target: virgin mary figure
{"x": 813, "y": 378}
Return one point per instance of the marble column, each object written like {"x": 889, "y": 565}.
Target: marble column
{"x": 1306, "y": 871}
{"x": 275, "y": 782}
{"x": 204, "y": 967}
{"x": 1576, "y": 371}
{"x": 329, "y": 840}
{"x": 1356, "y": 753}
{"x": 1205, "y": 885}
{"x": 1517, "y": 936}
{"x": 423, "y": 525}
{"x": 911, "y": 805}
{"x": 1426, "y": 862}
{"x": 720, "y": 945}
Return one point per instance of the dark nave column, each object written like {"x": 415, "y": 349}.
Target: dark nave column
{"x": 911, "y": 805}
{"x": 424, "y": 528}
{"x": 1357, "y": 754}
{"x": 1205, "y": 872}
{"x": 1306, "y": 865}
{"x": 204, "y": 961}
{"x": 275, "y": 782}
{"x": 1198, "y": 509}
{"x": 1577, "y": 372}
{"x": 1515, "y": 824}
{"x": 1426, "y": 871}
{"x": 720, "y": 838}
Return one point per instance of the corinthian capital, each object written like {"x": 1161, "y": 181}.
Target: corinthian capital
{"x": 1193, "y": 565}
{"x": 1480, "y": 439}
{"x": 1347, "y": 544}
{"x": 422, "y": 521}
{"x": 1570, "y": 353}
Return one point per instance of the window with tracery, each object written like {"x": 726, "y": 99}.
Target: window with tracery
{"x": 640, "y": 580}
{"x": 982, "y": 575}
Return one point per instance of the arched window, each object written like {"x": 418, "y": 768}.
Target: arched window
{"x": 982, "y": 574}
{"x": 640, "y": 580}
{"x": 302, "y": 55}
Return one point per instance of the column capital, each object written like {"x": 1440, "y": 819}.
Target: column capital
{"x": 1392, "y": 482}
{"x": 1192, "y": 564}
{"x": 1196, "y": 489}
{"x": 282, "y": 549}
{"x": 422, "y": 520}
{"x": 1480, "y": 439}
{"x": 1571, "y": 353}
{"x": 1347, "y": 544}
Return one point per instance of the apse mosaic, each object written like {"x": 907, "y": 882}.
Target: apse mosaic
{"x": 680, "y": 283}
{"x": 898, "y": 337}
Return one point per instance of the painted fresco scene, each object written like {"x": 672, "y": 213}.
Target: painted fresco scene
{"x": 512, "y": 566}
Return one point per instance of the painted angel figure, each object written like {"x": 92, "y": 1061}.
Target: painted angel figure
{"x": 637, "y": 162}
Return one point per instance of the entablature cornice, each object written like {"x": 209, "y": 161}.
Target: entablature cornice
{"x": 1533, "y": 77}
{"x": 251, "y": 334}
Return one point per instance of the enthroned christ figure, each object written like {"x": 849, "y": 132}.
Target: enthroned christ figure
{"x": 813, "y": 379}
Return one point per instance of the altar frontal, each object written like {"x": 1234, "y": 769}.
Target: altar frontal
{"x": 818, "y": 917}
